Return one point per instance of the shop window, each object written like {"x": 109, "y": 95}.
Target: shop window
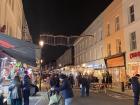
{"x": 133, "y": 43}
{"x": 118, "y": 46}
{"x": 108, "y": 29}
{"x": 109, "y": 49}
{"x": 131, "y": 14}
{"x": 117, "y": 24}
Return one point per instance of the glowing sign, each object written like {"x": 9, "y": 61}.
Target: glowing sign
{"x": 6, "y": 44}
{"x": 115, "y": 62}
{"x": 135, "y": 54}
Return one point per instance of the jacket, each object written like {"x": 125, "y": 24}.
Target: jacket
{"x": 135, "y": 84}
{"x": 26, "y": 82}
{"x": 15, "y": 90}
{"x": 66, "y": 89}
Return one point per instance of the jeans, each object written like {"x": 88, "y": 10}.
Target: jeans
{"x": 26, "y": 94}
{"x": 16, "y": 101}
{"x": 68, "y": 101}
{"x": 136, "y": 97}
{"x": 87, "y": 91}
{"x": 83, "y": 91}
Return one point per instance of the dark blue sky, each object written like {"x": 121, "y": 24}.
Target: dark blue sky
{"x": 68, "y": 17}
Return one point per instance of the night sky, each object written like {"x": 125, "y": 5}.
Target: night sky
{"x": 69, "y": 17}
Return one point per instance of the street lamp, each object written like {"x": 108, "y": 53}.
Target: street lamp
{"x": 41, "y": 43}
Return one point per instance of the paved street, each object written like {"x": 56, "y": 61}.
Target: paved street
{"x": 94, "y": 99}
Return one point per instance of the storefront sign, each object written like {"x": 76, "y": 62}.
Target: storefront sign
{"x": 5, "y": 44}
{"x": 134, "y": 55}
{"x": 115, "y": 62}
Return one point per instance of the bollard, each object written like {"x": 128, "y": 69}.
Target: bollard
{"x": 122, "y": 87}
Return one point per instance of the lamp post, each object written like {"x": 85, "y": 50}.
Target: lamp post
{"x": 41, "y": 43}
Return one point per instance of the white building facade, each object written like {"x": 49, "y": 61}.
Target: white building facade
{"x": 25, "y": 30}
{"x": 131, "y": 12}
{"x": 66, "y": 59}
{"x": 89, "y": 47}
{"x": 11, "y": 15}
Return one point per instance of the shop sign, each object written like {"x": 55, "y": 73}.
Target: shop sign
{"x": 97, "y": 66}
{"x": 115, "y": 62}
{"x": 134, "y": 55}
{"x": 5, "y": 44}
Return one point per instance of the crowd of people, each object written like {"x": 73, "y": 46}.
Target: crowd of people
{"x": 20, "y": 89}
{"x": 61, "y": 82}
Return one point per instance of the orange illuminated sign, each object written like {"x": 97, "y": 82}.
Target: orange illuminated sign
{"x": 115, "y": 62}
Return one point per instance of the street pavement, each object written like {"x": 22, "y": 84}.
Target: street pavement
{"x": 95, "y": 98}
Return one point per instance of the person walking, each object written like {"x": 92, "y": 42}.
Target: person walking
{"x": 71, "y": 79}
{"x": 88, "y": 81}
{"x": 136, "y": 88}
{"x": 66, "y": 89}
{"x": 26, "y": 88}
{"x": 16, "y": 91}
{"x": 83, "y": 85}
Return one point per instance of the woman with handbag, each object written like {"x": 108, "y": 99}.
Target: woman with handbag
{"x": 16, "y": 91}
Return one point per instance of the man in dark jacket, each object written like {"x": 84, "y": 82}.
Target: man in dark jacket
{"x": 66, "y": 90}
{"x": 26, "y": 88}
{"x": 136, "y": 88}
{"x": 83, "y": 84}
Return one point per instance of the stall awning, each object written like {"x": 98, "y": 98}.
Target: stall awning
{"x": 19, "y": 49}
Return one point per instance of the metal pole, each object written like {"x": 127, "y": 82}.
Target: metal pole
{"x": 40, "y": 78}
{"x": 40, "y": 71}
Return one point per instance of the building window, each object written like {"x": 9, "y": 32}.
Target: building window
{"x": 108, "y": 29}
{"x": 100, "y": 35}
{"x": 13, "y": 5}
{"x": 117, "y": 24}
{"x": 131, "y": 14}
{"x": 101, "y": 49}
{"x": 95, "y": 55}
{"x": 118, "y": 46}
{"x": 109, "y": 49}
{"x": 133, "y": 43}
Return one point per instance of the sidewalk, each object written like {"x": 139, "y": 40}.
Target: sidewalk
{"x": 118, "y": 90}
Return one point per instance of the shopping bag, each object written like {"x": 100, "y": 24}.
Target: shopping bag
{"x": 32, "y": 90}
{"x": 54, "y": 99}
{"x": 80, "y": 86}
{"x": 9, "y": 98}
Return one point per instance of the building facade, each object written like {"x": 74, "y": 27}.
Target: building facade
{"x": 25, "y": 30}
{"x": 67, "y": 59}
{"x": 89, "y": 48}
{"x": 132, "y": 35}
{"x": 106, "y": 50}
{"x": 11, "y": 16}
{"x": 114, "y": 46}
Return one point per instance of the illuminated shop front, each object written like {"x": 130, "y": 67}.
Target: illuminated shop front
{"x": 117, "y": 68}
{"x": 98, "y": 67}
{"x": 133, "y": 63}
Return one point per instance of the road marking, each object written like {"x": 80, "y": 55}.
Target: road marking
{"x": 38, "y": 101}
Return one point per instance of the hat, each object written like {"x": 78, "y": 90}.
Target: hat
{"x": 62, "y": 76}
